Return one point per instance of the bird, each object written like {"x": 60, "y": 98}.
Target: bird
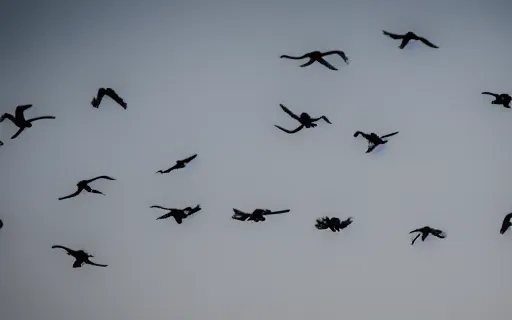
{"x": 257, "y": 215}
{"x": 373, "y": 139}
{"x": 110, "y": 93}
{"x": 19, "y": 119}
{"x": 180, "y": 164}
{"x": 304, "y": 119}
{"x": 425, "y": 231}
{"x": 80, "y": 256}
{"x": 84, "y": 185}
{"x": 1, "y": 143}
{"x": 408, "y": 37}
{"x": 178, "y": 214}
{"x": 506, "y": 223}
{"x": 318, "y": 56}
{"x": 1, "y": 224}
{"x": 335, "y": 224}
{"x": 503, "y": 99}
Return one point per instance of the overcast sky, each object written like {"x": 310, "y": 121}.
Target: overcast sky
{"x": 205, "y": 77}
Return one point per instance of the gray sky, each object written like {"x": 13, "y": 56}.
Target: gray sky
{"x": 205, "y": 77}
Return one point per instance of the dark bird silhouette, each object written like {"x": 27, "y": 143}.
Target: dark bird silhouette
{"x": 506, "y": 223}
{"x": 335, "y": 224}
{"x": 180, "y": 164}
{"x": 84, "y": 185}
{"x": 1, "y": 143}
{"x": 1, "y": 224}
{"x": 318, "y": 56}
{"x": 80, "y": 256}
{"x": 373, "y": 139}
{"x": 425, "y": 231}
{"x": 178, "y": 214}
{"x": 304, "y": 119}
{"x": 109, "y": 92}
{"x": 19, "y": 119}
{"x": 257, "y": 215}
{"x": 500, "y": 98}
{"x": 408, "y": 37}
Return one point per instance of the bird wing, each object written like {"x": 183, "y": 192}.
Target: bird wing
{"x": 96, "y": 264}
{"x": 289, "y": 112}
{"x": 393, "y": 35}
{"x": 491, "y": 94}
{"x": 114, "y": 96}
{"x": 506, "y": 223}
{"x": 187, "y": 160}
{"x": 310, "y": 62}
{"x": 325, "y": 119}
{"x": 404, "y": 42}
{"x": 346, "y": 223}
{"x": 268, "y": 212}
{"x": 165, "y": 216}
{"x": 100, "y": 177}
{"x": 290, "y": 131}
{"x": 327, "y": 64}
{"x": 191, "y": 211}
{"x": 62, "y": 247}
{"x": 428, "y": 43}
{"x": 159, "y": 207}
{"x": 338, "y": 52}
{"x": 389, "y": 135}
{"x": 240, "y": 215}
{"x": 18, "y": 114}
{"x": 295, "y": 58}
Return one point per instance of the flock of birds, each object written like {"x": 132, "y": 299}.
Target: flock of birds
{"x": 305, "y": 121}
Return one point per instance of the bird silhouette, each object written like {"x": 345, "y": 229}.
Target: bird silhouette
{"x": 335, "y": 224}
{"x": 178, "y": 214}
{"x": 506, "y": 223}
{"x": 19, "y": 119}
{"x": 425, "y": 231}
{"x": 1, "y": 143}
{"x": 84, "y": 185}
{"x": 408, "y": 37}
{"x": 80, "y": 256}
{"x": 109, "y": 92}
{"x": 304, "y": 119}
{"x": 318, "y": 56}
{"x": 373, "y": 139}
{"x": 503, "y": 99}
{"x": 1, "y": 224}
{"x": 257, "y": 215}
{"x": 180, "y": 164}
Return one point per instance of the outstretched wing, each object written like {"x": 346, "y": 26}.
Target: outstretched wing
{"x": 159, "y": 207}
{"x": 389, "y": 135}
{"x": 99, "y": 96}
{"x": 114, "y": 96}
{"x": 167, "y": 215}
{"x": 20, "y": 110}
{"x": 310, "y": 62}
{"x": 268, "y": 212}
{"x": 100, "y": 177}
{"x": 187, "y": 160}
{"x": 338, "y": 52}
{"x": 96, "y": 264}
{"x": 393, "y": 35}
{"x": 295, "y": 58}
{"x": 291, "y": 114}
{"x": 327, "y": 64}
{"x": 491, "y": 94}
{"x": 190, "y": 211}
{"x": 428, "y": 43}
{"x": 62, "y": 247}
{"x": 346, "y": 223}
{"x": 240, "y": 215}
{"x": 290, "y": 131}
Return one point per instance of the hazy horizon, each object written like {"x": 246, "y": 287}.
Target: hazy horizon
{"x": 205, "y": 77}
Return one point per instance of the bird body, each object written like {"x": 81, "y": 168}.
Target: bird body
{"x": 334, "y": 223}
{"x": 373, "y": 139}
{"x": 503, "y": 99}
{"x": 178, "y": 214}
{"x": 180, "y": 164}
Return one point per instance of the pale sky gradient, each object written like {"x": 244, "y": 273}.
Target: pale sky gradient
{"x": 205, "y": 77}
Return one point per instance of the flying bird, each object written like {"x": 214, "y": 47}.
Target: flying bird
{"x": 1, "y": 143}
{"x": 318, "y": 56}
{"x": 373, "y": 139}
{"x": 506, "y": 223}
{"x": 178, "y": 214}
{"x": 180, "y": 164}
{"x": 425, "y": 231}
{"x": 84, "y": 185}
{"x": 304, "y": 119}
{"x": 408, "y": 37}
{"x": 109, "y": 92}
{"x": 19, "y": 119}
{"x": 80, "y": 256}
{"x": 500, "y": 98}
{"x": 335, "y": 224}
{"x": 1, "y": 224}
{"x": 256, "y": 216}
